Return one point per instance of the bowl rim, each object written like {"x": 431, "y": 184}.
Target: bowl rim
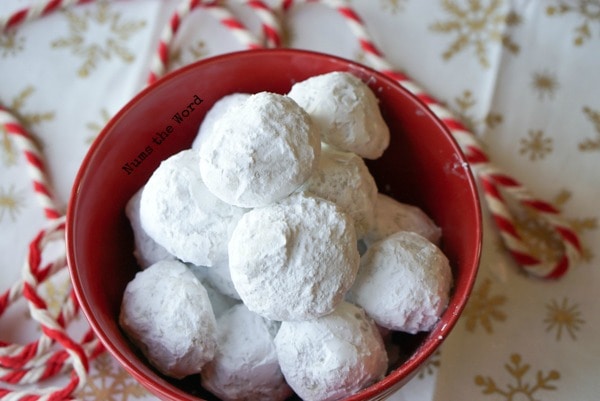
{"x": 394, "y": 379}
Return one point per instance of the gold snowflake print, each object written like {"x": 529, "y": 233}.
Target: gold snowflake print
{"x": 110, "y": 383}
{"x": 592, "y": 144}
{"x": 484, "y": 308}
{"x": 536, "y": 145}
{"x": 96, "y": 127}
{"x": 587, "y": 10}
{"x": 476, "y": 24}
{"x": 98, "y": 34}
{"x": 545, "y": 84}
{"x": 393, "y": 6}
{"x": 195, "y": 51}
{"x": 462, "y": 108}
{"x": 11, "y": 203}
{"x": 563, "y": 316}
{"x": 522, "y": 386}
{"x": 431, "y": 365}
{"x": 11, "y": 43}
{"x": 17, "y": 107}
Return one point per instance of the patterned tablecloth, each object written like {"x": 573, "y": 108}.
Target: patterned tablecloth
{"x": 524, "y": 76}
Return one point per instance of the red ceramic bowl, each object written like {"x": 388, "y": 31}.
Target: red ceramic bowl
{"x": 423, "y": 165}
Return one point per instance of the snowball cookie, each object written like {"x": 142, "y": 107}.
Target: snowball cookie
{"x": 346, "y": 111}
{"x": 403, "y": 283}
{"x": 344, "y": 179}
{"x": 333, "y": 356}
{"x": 215, "y": 112}
{"x": 219, "y": 278}
{"x": 245, "y": 366}
{"x": 259, "y": 151}
{"x": 166, "y": 313}
{"x": 392, "y": 216}
{"x": 220, "y": 302}
{"x": 146, "y": 251}
{"x": 293, "y": 260}
{"x": 182, "y": 215}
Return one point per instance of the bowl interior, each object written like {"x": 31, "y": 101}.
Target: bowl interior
{"x": 422, "y": 166}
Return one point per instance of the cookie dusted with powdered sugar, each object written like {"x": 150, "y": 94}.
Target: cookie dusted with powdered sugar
{"x": 260, "y": 151}
{"x": 245, "y": 366}
{"x": 346, "y": 111}
{"x": 182, "y": 215}
{"x": 344, "y": 179}
{"x": 146, "y": 251}
{"x": 166, "y": 313}
{"x": 215, "y": 113}
{"x": 403, "y": 283}
{"x": 293, "y": 260}
{"x": 392, "y": 216}
{"x": 331, "y": 357}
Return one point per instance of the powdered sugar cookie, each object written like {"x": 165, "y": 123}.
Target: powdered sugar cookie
{"x": 166, "y": 313}
{"x": 146, "y": 251}
{"x": 346, "y": 111}
{"x": 215, "y": 113}
{"x": 219, "y": 278}
{"x": 293, "y": 260}
{"x": 344, "y": 179}
{"x": 260, "y": 151}
{"x": 245, "y": 366}
{"x": 403, "y": 282}
{"x": 333, "y": 356}
{"x": 182, "y": 215}
{"x": 392, "y": 216}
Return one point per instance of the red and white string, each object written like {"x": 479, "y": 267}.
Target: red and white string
{"x": 39, "y": 360}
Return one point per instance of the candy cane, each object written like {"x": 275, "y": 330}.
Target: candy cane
{"x": 494, "y": 181}
{"x": 36, "y": 11}
{"x": 160, "y": 61}
{"x": 36, "y": 166}
{"x": 35, "y": 362}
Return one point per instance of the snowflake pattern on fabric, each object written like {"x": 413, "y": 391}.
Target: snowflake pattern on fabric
{"x": 110, "y": 382}
{"x": 11, "y": 44}
{"x": 11, "y": 203}
{"x": 536, "y": 146}
{"x": 522, "y": 386}
{"x": 545, "y": 84}
{"x": 592, "y": 144}
{"x": 98, "y": 34}
{"x": 587, "y": 11}
{"x": 484, "y": 308}
{"x": 477, "y": 24}
{"x": 563, "y": 317}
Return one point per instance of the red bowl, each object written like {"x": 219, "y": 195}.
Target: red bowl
{"x": 423, "y": 166}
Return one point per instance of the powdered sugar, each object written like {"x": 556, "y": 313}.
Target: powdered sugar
{"x": 182, "y": 215}
{"x": 260, "y": 151}
{"x": 293, "y": 260}
{"x": 346, "y": 111}
{"x": 331, "y": 357}
{"x": 403, "y": 282}
{"x": 166, "y": 312}
{"x": 245, "y": 366}
{"x": 392, "y": 216}
{"x": 344, "y": 179}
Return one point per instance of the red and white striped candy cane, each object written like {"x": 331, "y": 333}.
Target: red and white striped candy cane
{"x": 160, "y": 61}
{"x": 36, "y": 11}
{"x": 494, "y": 182}
{"x": 38, "y": 361}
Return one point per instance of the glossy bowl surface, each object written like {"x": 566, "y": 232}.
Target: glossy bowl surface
{"x": 422, "y": 166}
